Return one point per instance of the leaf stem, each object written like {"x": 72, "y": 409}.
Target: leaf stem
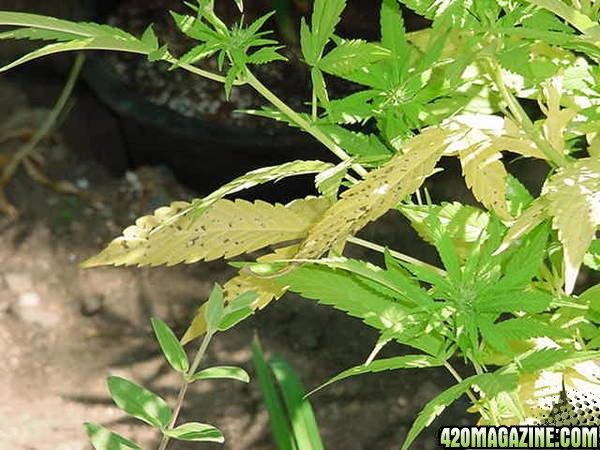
{"x": 279, "y": 104}
{"x": 302, "y": 122}
{"x": 554, "y": 157}
{"x": 184, "y": 387}
{"x": 395, "y": 254}
{"x": 198, "y": 71}
{"x": 460, "y": 379}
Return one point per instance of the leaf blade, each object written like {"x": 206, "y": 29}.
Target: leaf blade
{"x": 379, "y": 365}
{"x": 222, "y": 372}
{"x": 104, "y": 439}
{"x": 170, "y": 346}
{"x": 139, "y": 402}
{"x": 227, "y": 228}
{"x": 194, "y": 431}
{"x": 300, "y": 412}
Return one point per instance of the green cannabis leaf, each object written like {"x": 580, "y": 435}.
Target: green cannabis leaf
{"x": 72, "y": 36}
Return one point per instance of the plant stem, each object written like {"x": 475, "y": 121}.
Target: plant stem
{"x": 282, "y": 106}
{"x": 198, "y": 71}
{"x": 184, "y": 387}
{"x": 395, "y": 254}
{"x": 48, "y": 124}
{"x": 554, "y": 157}
{"x": 302, "y": 122}
{"x": 458, "y": 378}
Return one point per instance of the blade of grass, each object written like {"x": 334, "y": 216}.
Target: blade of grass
{"x": 282, "y": 433}
{"x": 301, "y": 415}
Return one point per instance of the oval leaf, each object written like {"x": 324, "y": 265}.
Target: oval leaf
{"x": 170, "y": 346}
{"x": 214, "y": 308}
{"x": 104, "y": 439}
{"x": 229, "y": 372}
{"x": 194, "y": 431}
{"x": 139, "y": 402}
{"x": 238, "y": 309}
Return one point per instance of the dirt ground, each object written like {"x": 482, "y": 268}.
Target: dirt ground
{"x": 63, "y": 330}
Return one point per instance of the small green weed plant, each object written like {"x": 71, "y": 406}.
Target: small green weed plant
{"x": 504, "y": 298}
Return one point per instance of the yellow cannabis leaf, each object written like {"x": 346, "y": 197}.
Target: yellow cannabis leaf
{"x": 225, "y": 229}
{"x": 557, "y": 119}
{"x": 540, "y": 391}
{"x": 572, "y": 198}
{"x": 527, "y": 221}
{"x": 573, "y": 195}
{"x": 480, "y": 152}
{"x": 380, "y": 191}
{"x": 478, "y": 140}
{"x": 514, "y": 139}
{"x": 485, "y": 174}
{"x": 266, "y": 289}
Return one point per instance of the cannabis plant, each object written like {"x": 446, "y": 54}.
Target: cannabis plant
{"x": 505, "y": 298}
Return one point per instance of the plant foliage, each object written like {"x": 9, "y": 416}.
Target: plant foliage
{"x": 505, "y": 297}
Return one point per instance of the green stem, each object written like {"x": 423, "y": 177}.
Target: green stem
{"x": 460, "y": 379}
{"x": 523, "y": 120}
{"x": 470, "y": 394}
{"x": 184, "y": 387}
{"x": 302, "y": 122}
{"x": 279, "y": 104}
{"x": 198, "y": 71}
{"x": 395, "y": 254}
{"x": 48, "y": 124}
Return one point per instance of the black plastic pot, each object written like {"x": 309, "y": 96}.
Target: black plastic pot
{"x": 202, "y": 154}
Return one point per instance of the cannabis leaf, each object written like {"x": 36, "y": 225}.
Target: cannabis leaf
{"x": 72, "y": 36}
{"x": 380, "y": 191}
{"x": 485, "y": 137}
{"x": 434, "y": 408}
{"x": 489, "y": 384}
{"x": 257, "y": 177}
{"x": 572, "y": 198}
{"x": 348, "y": 56}
{"x": 232, "y": 45}
{"x": 351, "y": 55}
{"x": 540, "y": 389}
{"x": 464, "y": 224}
{"x": 574, "y": 203}
{"x": 458, "y": 13}
{"x": 266, "y": 289}
{"x": 226, "y": 228}
{"x": 370, "y": 301}
{"x": 325, "y": 17}
{"x": 379, "y": 365}
{"x": 355, "y": 143}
